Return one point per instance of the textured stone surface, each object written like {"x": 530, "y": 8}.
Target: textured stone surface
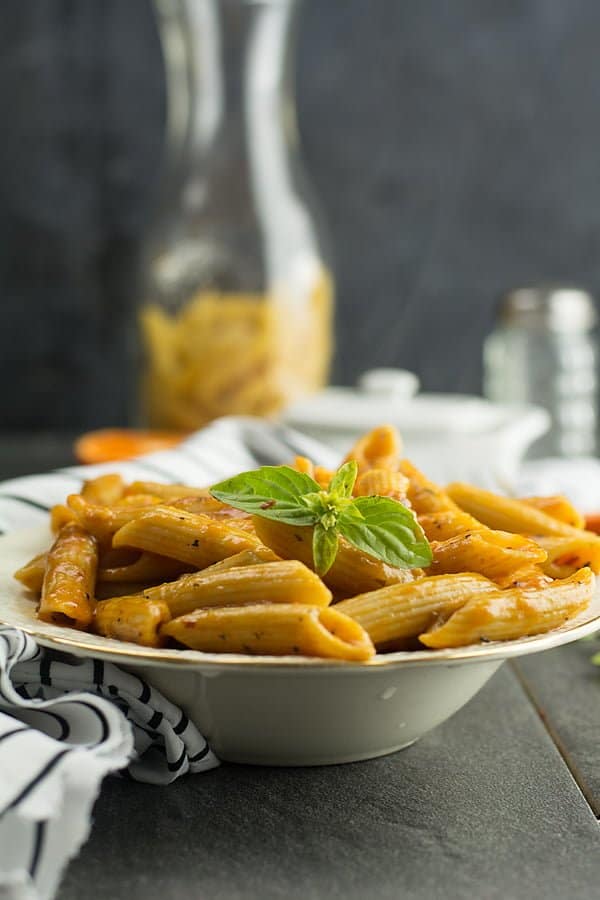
{"x": 483, "y": 807}
{"x": 565, "y": 688}
{"x": 454, "y": 148}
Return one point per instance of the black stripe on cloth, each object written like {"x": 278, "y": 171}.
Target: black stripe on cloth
{"x": 182, "y": 724}
{"x": 145, "y": 695}
{"x": 200, "y": 755}
{"x": 155, "y": 721}
{"x": 51, "y": 764}
{"x": 65, "y": 728}
{"x": 8, "y": 734}
{"x": 152, "y": 467}
{"x": 153, "y": 735}
{"x": 173, "y": 766}
{"x": 101, "y": 716}
{"x": 7, "y": 643}
{"x": 26, "y": 500}
{"x": 45, "y": 670}
{"x": 38, "y": 843}
{"x": 98, "y": 676}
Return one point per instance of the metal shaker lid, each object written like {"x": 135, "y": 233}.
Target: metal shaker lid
{"x": 553, "y": 307}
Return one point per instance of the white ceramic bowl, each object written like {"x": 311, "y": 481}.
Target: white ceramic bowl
{"x": 290, "y": 711}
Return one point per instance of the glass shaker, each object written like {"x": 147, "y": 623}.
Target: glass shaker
{"x": 543, "y": 350}
{"x": 237, "y": 296}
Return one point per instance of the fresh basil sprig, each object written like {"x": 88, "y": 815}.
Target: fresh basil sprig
{"x": 380, "y": 526}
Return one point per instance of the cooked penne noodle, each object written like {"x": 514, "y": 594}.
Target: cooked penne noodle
{"x": 32, "y": 573}
{"x": 108, "y": 590}
{"x": 512, "y": 613}
{"x": 69, "y": 579}
{"x": 147, "y": 567}
{"x": 104, "y": 521}
{"x": 494, "y": 554}
{"x": 323, "y": 476}
{"x": 353, "y": 570}
{"x": 59, "y": 516}
{"x": 104, "y": 490}
{"x": 558, "y": 507}
{"x": 252, "y": 557}
{"x": 568, "y": 554}
{"x": 134, "y": 619}
{"x": 382, "y": 482}
{"x": 508, "y": 514}
{"x": 286, "y": 581}
{"x": 406, "y": 610}
{"x": 194, "y": 539}
{"x": 302, "y": 464}
{"x": 424, "y": 495}
{"x": 273, "y": 630}
{"x": 448, "y": 523}
{"x": 528, "y": 576}
{"x": 378, "y": 449}
{"x": 208, "y": 506}
{"x": 166, "y": 491}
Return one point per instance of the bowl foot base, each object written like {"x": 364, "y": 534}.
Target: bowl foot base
{"x": 250, "y": 759}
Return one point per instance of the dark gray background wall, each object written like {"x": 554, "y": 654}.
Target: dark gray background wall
{"x": 455, "y": 147}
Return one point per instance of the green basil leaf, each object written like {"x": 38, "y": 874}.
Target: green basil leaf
{"x": 324, "y": 548}
{"x": 273, "y": 492}
{"x": 389, "y": 531}
{"x": 342, "y": 482}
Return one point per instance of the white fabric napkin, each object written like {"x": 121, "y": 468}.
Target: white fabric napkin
{"x": 66, "y": 722}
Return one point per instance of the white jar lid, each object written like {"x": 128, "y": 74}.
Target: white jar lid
{"x": 388, "y": 396}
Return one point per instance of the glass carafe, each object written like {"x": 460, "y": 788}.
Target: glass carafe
{"x": 237, "y": 297}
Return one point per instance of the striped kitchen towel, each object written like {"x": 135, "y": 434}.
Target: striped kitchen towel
{"x": 66, "y": 722}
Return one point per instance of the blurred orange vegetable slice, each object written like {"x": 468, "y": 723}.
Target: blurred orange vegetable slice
{"x": 112, "y": 444}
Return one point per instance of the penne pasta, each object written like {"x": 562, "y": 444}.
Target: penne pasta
{"x": 508, "y": 514}
{"x": 31, "y": 575}
{"x": 60, "y": 515}
{"x": 69, "y": 579}
{"x": 166, "y": 491}
{"x": 515, "y": 612}
{"x": 382, "y": 482}
{"x": 108, "y": 590}
{"x": 194, "y": 539}
{"x": 104, "y": 490}
{"x": 147, "y": 567}
{"x": 134, "y": 619}
{"x": 353, "y": 570}
{"x": 104, "y": 521}
{"x": 558, "y": 507}
{"x": 302, "y": 464}
{"x": 448, "y": 523}
{"x": 424, "y": 495}
{"x": 494, "y": 554}
{"x": 403, "y": 611}
{"x": 286, "y": 581}
{"x": 273, "y": 630}
{"x": 378, "y": 449}
{"x": 565, "y": 555}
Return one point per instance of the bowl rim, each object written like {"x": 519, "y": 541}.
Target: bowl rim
{"x": 133, "y": 654}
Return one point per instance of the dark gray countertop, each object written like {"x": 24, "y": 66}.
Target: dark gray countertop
{"x": 496, "y": 803}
